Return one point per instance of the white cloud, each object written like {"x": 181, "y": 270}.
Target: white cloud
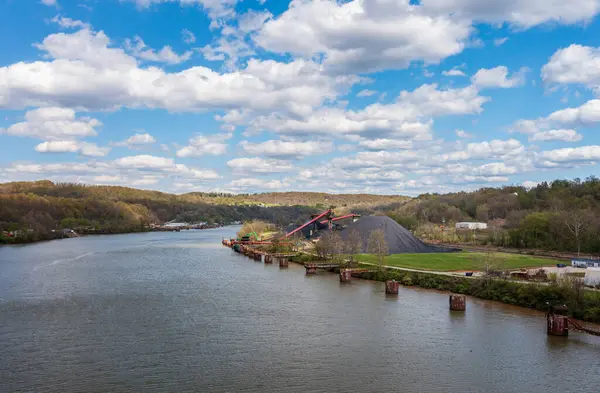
{"x": 575, "y": 64}
{"x": 453, "y": 72}
{"x": 253, "y": 20}
{"x": 520, "y": 13}
{"x": 361, "y": 36}
{"x": 144, "y": 162}
{"x": 137, "y": 140}
{"x": 201, "y": 145}
{"x": 572, "y": 154}
{"x": 586, "y": 114}
{"x": 487, "y": 150}
{"x": 366, "y": 93}
{"x": 214, "y": 8}
{"x": 500, "y": 41}
{"x": 49, "y": 2}
{"x": 557, "y": 135}
{"x": 462, "y": 134}
{"x": 408, "y": 118}
{"x": 187, "y": 36}
{"x": 69, "y": 23}
{"x": 139, "y": 49}
{"x": 287, "y": 149}
{"x": 87, "y": 73}
{"x": 259, "y": 165}
{"x": 57, "y": 147}
{"x": 83, "y": 148}
{"x": 386, "y": 144}
{"x": 53, "y": 124}
{"x": 498, "y": 77}
{"x": 250, "y": 183}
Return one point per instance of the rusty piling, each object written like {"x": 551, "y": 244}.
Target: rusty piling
{"x": 345, "y": 275}
{"x": 458, "y": 302}
{"x": 391, "y": 287}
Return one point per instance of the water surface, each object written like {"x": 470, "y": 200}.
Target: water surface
{"x": 178, "y": 312}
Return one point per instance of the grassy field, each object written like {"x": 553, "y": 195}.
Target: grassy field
{"x": 446, "y": 262}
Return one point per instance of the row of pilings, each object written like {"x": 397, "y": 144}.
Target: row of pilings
{"x": 258, "y": 255}
{"x": 456, "y": 302}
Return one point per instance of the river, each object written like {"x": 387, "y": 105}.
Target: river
{"x": 178, "y": 312}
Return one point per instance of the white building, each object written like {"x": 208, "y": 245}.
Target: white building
{"x": 592, "y": 276}
{"x": 471, "y": 225}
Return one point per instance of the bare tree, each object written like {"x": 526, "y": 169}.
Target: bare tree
{"x": 354, "y": 244}
{"x": 378, "y": 245}
{"x": 490, "y": 264}
{"x": 336, "y": 247}
{"x": 577, "y": 222}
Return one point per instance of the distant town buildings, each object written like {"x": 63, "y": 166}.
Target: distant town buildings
{"x": 471, "y": 225}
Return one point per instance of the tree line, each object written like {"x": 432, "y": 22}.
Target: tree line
{"x": 562, "y": 215}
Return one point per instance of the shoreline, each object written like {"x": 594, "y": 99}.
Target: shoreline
{"x": 530, "y": 296}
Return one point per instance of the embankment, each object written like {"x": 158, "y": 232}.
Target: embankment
{"x": 583, "y": 305}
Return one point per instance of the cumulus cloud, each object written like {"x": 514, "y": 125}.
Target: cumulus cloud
{"x": 136, "y": 170}
{"x": 201, "y": 145}
{"x": 453, "y": 72}
{"x": 386, "y": 144}
{"x": 53, "y": 124}
{"x": 259, "y": 165}
{"x": 137, "y": 140}
{"x": 407, "y": 118}
{"x": 85, "y": 71}
{"x": 520, "y": 13}
{"x": 498, "y": 77}
{"x": 83, "y": 148}
{"x": 487, "y": 150}
{"x": 360, "y": 36}
{"x": 557, "y": 135}
{"x": 576, "y": 64}
{"x": 139, "y": 49}
{"x": 287, "y": 149}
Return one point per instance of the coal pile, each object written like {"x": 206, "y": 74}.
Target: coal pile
{"x": 398, "y": 238}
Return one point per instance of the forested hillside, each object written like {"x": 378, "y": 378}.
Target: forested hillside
{"x": 562, "y": 215}
{"x": 36, "y": 208}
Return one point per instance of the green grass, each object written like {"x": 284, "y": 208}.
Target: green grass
{"x": 446, "y": 262}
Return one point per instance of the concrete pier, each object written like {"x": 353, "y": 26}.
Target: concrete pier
{"x": 557, "y": 325}
{"x": 311, "y": 269}
{"x": 345, "y": 275}
{"x": 458, "y": 302}
{"x": 283, "y": 262}
{"x": 391, "y": 287}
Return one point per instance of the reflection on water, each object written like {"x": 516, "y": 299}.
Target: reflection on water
{"x": 178, "y": 312}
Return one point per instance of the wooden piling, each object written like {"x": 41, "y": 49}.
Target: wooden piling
{"x": 458, "y": 302}
{"x": 283, "y": 262}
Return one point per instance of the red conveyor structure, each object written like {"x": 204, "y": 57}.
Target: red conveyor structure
{"x": 340, "y": 218}
{"x": 326, "y": 213}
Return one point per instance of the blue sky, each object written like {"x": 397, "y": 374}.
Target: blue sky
{"x": 378, "y": 96}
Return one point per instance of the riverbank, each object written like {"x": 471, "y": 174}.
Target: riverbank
{"x": 583, "y": 305}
